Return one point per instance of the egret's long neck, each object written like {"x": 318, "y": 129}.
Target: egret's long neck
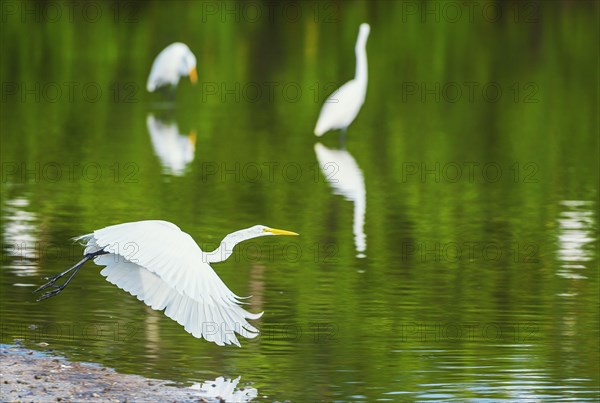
{"x": 361, "y": 61}
{"x": 225, "y": 249}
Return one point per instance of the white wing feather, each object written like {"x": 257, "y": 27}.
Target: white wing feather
{"x": 163, "y": 266}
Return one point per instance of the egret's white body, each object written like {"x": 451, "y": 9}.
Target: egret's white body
{"x": 175, "y": 61}
{"x": 341, "y": 108}
{"x": 163, "y": 267}
{"x": 346, "y": 178}
{"x": 174, "y": 149}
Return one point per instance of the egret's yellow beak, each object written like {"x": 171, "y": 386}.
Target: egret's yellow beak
{"x": 193, "y": 75}
{"x": 279, "y": 231}
{"x": 192, "y": 137}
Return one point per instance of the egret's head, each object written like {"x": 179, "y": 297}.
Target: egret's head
{"x": 254, "y": 232}
{"x": 228, "y": 243}
{"x": 363, "y": 33}
{"x": 188, "y": 66}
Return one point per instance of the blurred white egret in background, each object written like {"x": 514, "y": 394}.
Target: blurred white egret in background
{"x": 345, "y": 177}
{"x": 341, "y": 108}
{"x": 174, "y": 149}
{"x": 163, "y": 266}
{"x": 174, "y": 62}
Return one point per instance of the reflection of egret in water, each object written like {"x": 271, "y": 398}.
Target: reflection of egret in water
{"x": 21, "y": 241}
{"x": 576, "y": 228}
{"x": 152, "y": 331}
{"x": 342, "y": 172}
{"x": 257, "y": 287}
{"x": 221, "y": 390}
{"x": 174, "y": 150}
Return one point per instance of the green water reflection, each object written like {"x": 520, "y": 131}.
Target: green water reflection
{"x": 448, "y": 251}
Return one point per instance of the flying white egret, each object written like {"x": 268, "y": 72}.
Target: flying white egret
{"x": 341, "y": 108}
{"x": 175, "y": 150}
{"x": 163, "y": 267}
{"x": 175, "y": 61}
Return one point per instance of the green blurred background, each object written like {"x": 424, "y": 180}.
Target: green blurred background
{"x": 473, "y": 163}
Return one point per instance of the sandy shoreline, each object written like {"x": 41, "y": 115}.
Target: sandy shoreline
{"x": 30, "y": 376}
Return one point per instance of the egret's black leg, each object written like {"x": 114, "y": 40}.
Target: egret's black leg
{"x": 343, "y": 138}
{"x": 172, "y": 93}
{"x": 58, "y": 289}
{"x": 169, "y": 92}
{"x": 60, "y": 275}
{"x": 53, "y": 279}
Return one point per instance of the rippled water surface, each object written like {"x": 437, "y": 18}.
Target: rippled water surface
{"x": 448, "y": 247}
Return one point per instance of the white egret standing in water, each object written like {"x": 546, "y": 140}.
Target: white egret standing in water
{"x": 341, "y": 108}
{"x": 163, "y": 267}
{"x": 174, "y": 149}
{"x": 174, "y": 62}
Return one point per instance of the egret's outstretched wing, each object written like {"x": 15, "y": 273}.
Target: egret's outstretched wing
{"x": 172, "y": 273}
{"x": 212, "y": 321}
